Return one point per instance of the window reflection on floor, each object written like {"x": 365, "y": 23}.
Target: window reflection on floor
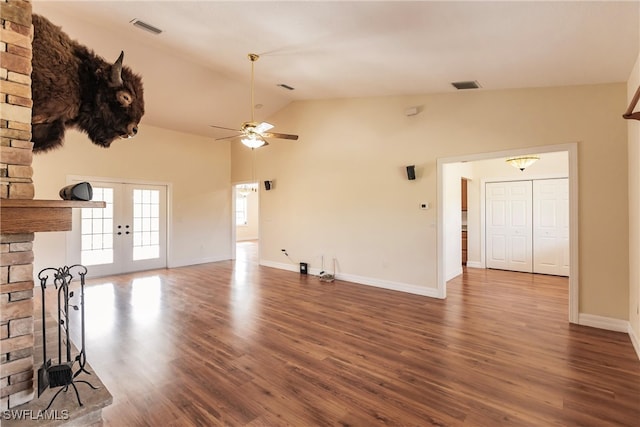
{"x": 100, "y": 316}
{"x": 146, "y": 294}
{"x": 244, "y": 290}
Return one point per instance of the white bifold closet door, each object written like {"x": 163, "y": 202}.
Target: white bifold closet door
{"x": 509, "y": 226}
{"x": 551, "y": 226}
{"x": 527, "y": 226}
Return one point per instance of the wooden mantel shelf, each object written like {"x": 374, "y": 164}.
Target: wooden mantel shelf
{"x": 30, "y": 216}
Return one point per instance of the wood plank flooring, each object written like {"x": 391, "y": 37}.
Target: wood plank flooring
{"x": 236, "y": 344}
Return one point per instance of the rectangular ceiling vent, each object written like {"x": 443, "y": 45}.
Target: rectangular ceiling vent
{"x": 287, "y": 87}
{"x": 466, "y": 85}
{"x": 147, "y": 27}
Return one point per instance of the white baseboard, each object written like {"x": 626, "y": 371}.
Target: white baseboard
{"x": 280, "y": 265}
{"x": 602, "y": 322}
{"x": 475, "y": 264}
{"x": 185, "y": 263}
{"x": 361, "y": 280}
{"x": 387, "y": 284}
{"x": 455, "y": 274}
{"x": 634, "y": 340}
{"x": 611, "y": 324}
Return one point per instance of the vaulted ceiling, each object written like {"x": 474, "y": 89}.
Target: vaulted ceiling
{"x": 196, "y": 72}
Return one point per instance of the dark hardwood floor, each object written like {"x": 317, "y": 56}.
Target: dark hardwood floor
{"x": 235, "y": 344}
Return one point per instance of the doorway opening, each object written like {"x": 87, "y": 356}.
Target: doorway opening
{"x": 452, "y": 169}
{"x": 246, "y": 226}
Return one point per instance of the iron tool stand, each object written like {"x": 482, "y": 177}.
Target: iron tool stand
{"x": 62, "y": 375}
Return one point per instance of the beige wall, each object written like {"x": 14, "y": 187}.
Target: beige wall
{"x": 342, "y": 189}
{"x": 634, "y": 211}
{"x": 196, "y": 169}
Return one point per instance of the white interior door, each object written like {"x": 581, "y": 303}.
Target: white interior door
{"x": 551, "y": 226}
{"x": 509, "y": 226}
{"x": 130, "y": 234}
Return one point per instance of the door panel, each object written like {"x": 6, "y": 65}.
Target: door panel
{"x": 551, "y": 226}
{"x": 498, "y": 249}
{"x": 128, "y": 235}
{"x": 509, "y": 226}
{"x": 520, "y": 250}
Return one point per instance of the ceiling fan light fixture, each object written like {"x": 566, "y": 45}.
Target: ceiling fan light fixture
{"x": 522, "y": 162}
{"x": 253, "y": 141}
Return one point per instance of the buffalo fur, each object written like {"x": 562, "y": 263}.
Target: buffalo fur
{"x": 73, "y": 87}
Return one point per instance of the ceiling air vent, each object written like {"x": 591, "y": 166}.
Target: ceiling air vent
{"x": 145, "y": 26}
{"x": 466, "y": 85}
{"x": 287, "y": 87}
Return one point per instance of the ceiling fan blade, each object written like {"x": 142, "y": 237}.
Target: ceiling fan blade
{"x": 263, "y": 127}
{"x": 227, "y": 137}
{"x": 280, "y": 135}
{"x": 221, "y": 127}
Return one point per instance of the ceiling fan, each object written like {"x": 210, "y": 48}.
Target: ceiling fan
{"x": 253, "y": 134}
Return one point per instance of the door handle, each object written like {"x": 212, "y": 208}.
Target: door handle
{"x": 119, "y": 233}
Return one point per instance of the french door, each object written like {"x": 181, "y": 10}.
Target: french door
{"x": 130, "y": 234}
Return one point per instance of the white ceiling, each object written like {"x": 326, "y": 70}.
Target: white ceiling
{"x": 197, "y": 73}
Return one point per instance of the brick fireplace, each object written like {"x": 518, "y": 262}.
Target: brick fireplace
{"x": 16, "y": 249}
{"x": 21, "y": 216}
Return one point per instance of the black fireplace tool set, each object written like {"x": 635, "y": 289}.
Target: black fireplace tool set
{"x": 62, "y": 374}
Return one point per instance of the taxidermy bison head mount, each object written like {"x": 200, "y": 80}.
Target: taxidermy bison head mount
{"x": 72, "y": 87}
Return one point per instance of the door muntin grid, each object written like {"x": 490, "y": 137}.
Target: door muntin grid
{"x": 146, "y": 224}
{"x": 96, "y": 245}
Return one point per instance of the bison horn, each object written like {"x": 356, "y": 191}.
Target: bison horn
{"x": 116, "y": 71}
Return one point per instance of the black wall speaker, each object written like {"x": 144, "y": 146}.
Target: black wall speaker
{"x": 81, "y": 191}
{"x": 268, "y": 185}
{"x": 411, "y": 172}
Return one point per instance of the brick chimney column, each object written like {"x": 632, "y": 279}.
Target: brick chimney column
{"x": 16, "y": 255}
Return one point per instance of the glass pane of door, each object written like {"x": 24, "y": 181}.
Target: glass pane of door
{"x": 146, "y": 224}
{"x": 96, "y": 230}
